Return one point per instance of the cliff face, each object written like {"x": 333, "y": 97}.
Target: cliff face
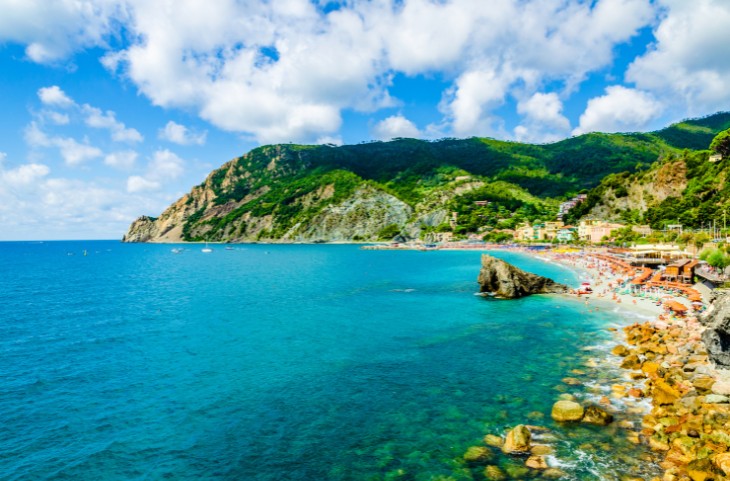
{"x": 641, "y": 191}
{"x": 509, "y": 282}
{"x": 717, "y": 335}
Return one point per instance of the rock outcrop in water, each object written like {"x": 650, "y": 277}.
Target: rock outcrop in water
{"x": 509, "y": 282}
{"x": 717, "y": 335}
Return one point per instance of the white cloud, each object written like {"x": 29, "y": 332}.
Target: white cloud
{"x": 55, "y": 97}
{"x": 75, "y": 153}
{"x": 287, "y": 76}
{"x": 395, "y": 126}
{"x": 23, "y": 175}
{"x": 107, "y": 120}
{"x": 285, "y": 71}
{"x": 179, "y": 134}
{"x": 620, "y": 110}
{"x": 137, "y": 183}
{"x": 122, "y": 160}
{"x": 327, "y": 139}
{"x": 164, "y": 167}
{"x": 469, "y": 103}
{"x": 72, "y": 151}
{"x": 688, "y": 64}
{"x": 43, "y": 207}
{"x": 543, "y": 119}
{"x": 53, "y": 30}
{"x": 57, "y": 117}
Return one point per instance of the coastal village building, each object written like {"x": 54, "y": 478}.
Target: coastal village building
{"x": 567, "y": 205}
{"x": 551, "y": 229}
{"x": 567, "y": 234}
{"x": 590, "y": 230}
{"x": 595, "y": 231}
{"x": 529, "y": 232}
{"x": 654, "y": 254}
{"x": 538, "y": 232}
{"x": 715, "y": 158}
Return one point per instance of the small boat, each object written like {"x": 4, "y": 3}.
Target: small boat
{"x": 177, "y": 250}
{"x": 229, "y": 248}
{"x": 206, "y": 249}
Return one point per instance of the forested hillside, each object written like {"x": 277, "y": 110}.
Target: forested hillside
{"x": 411, "y": 187}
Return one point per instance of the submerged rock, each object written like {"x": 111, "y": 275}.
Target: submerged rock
{"x": 478, "y": 455}
{"x": 596, "y": 415}
{"x": 493, "y": 473}
{"x": 517, "y": 440}
{"x": 509, "y": 282}
{"x": 567, "y": 411}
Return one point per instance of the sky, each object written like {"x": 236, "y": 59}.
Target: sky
{"x": 112, "y": 109}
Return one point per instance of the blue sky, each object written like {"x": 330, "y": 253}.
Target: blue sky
{"x": 113, "y": 109}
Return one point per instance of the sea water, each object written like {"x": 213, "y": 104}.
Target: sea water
{"x": 267, "y": 362}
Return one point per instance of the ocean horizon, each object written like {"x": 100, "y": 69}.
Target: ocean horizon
{"x": 268, "y": 362}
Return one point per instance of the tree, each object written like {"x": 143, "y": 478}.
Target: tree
{"x": 717, "y": 258}
{"x": 721, "y": 143}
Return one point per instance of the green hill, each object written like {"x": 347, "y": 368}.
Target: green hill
{"x": 412, "y": 187}
{"x": 681, "y": 188}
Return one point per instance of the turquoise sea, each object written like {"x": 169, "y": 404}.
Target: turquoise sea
{"x": 270, "y": 362}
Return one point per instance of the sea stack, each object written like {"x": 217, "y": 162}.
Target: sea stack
{"x": 506, "y": 281}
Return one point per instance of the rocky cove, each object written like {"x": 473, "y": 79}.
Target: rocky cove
{"x": 657, "y": 403}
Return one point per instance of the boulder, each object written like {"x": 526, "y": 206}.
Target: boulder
{"x": 620, "y": 350}
{"x": 567, "y": 411}
{"x": 721, "y": 387}
{"x": 536, "y": 462}
{"x": 506, "y": 281}
{"x": 722, "y": 462}
{"x": 596, "y": 415}
{"x": 517, "y": 440}
{"x": 716, "y": 399}
{"x": 492, "y": 440}
{"x": 631, "y": 361}
{"x": 663, "y": 393}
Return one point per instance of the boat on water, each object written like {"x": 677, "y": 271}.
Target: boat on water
{"x": 177, "y": 250}
{"x": 206, "y": 249}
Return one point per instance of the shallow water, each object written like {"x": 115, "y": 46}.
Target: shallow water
{"x": 279, "y": 362}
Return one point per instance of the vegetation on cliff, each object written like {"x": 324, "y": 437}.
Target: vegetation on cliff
{"x": 683, "y": 187}
{"x": 297, "y": 192}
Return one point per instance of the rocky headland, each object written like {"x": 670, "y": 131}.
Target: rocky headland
{"x": 505, "y": 281}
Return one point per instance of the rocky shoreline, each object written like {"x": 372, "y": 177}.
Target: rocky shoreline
{"x": 671, "y": 399}
{"x": 689, "y": 423}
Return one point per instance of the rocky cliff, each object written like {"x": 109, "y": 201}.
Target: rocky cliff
{"x": 717, "y": 335}
{"x": 509, "y": 282}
